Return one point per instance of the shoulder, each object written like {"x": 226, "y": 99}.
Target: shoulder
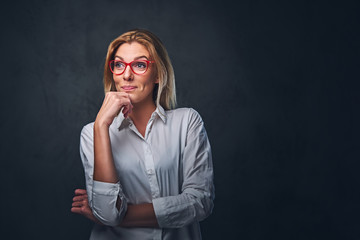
{"x": 87, "y": 132}
{"x": 183, "y": 112}
{"x": 88, "y": 128}
{"x": 187, "y": 115}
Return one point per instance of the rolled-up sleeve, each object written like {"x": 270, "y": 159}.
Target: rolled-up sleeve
{"x": 195, "y": 202}
{"x": 102, "y": 196}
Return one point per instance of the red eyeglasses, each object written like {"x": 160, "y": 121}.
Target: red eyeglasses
{"x": 139, "y": 67}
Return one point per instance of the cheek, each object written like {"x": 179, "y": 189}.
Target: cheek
{"x": 147, "y": 81}
{"x": 117, "y": 82}
{"x": 150, "y": 85}
{"x": 116, "y": 78}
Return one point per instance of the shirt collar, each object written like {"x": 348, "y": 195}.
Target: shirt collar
{"x": 120, "y": 122}
{"x": 124, "y": 122}
{"x": 161, "y": 113}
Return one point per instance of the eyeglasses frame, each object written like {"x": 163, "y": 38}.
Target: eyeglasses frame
{"x": 129, "y": 64}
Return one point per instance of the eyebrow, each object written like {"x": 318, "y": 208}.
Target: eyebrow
{"x": 143, "y": 56}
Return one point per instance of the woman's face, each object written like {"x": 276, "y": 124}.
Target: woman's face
{"x": 139, "y": 87}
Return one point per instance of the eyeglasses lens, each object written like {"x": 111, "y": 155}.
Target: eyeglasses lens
{"x": 139, "y": 67}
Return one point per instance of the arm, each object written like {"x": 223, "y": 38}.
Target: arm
{"x": 136, "y": 215}
{"x": 106, "y": 199}
{"x": 104, "y": 168}
{"x": 195, "y": 202}
{"x": 141, "y": 215}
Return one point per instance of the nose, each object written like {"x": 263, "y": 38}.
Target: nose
{"x": 128, "y": 74}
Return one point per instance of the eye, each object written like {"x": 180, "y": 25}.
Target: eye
{"x": 139, "y": 65}
{"x": 118, "y": 64}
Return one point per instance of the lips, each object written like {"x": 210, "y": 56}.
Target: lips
{"x": 128, "y": 88}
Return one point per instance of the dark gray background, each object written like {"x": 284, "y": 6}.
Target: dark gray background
{"x": 276, "y": 84}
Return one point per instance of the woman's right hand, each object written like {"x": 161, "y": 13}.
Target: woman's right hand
{"x": 114, "y": 102}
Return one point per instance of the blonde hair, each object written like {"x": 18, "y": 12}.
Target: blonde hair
{"x": 164, "y": 92}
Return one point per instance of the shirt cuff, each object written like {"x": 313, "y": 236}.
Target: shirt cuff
{"x": 106, "y": 188}
{"x": 174, "y": 211}
{"x": 104, "y": 198}
{"x": 160, "y": 211}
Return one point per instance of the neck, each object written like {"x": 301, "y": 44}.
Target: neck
{"x": 141, "y": 113}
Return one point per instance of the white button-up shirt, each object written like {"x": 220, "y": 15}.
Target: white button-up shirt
{"x": 171, "y": 167}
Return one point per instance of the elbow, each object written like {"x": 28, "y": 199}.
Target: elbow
{"x": 108, "y": 213}
{"x": 203, "y": 207}
{"x": 107, "y": 217}
{"x": 200, "y": 207}
{"x": 106, "y": 209}
{"x": 183, "y": 209}
{"x": 105, "y": 197}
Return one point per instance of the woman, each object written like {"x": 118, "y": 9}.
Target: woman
{"x": 148, "y": 167}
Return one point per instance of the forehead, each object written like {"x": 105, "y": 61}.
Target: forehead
{"x": 130, "y": 51}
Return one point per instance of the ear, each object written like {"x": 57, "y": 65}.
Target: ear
{"x": 157, "y": 80}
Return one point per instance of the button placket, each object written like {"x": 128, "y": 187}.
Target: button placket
{"x": 148, "y": 127}
{"x": 150, "y": 170}
{"x": 133, "y": 128}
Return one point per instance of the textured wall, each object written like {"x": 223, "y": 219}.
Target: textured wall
{"x": 276, "y": 85}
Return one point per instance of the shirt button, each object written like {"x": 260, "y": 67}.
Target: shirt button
{"x": 150, "y": 171}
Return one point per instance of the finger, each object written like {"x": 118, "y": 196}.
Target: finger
{"x": 77, "y": 204}
{"x": 80, "y": 198}
{"x": 121, "y": 104}
{"x": 129, "y": 107}
{"x": 84, "y": 203}
{"x": 81, "y": 210}
{"x": 125, "y": 111}
{"x": 128, "y": 95}
{"x": 76, "y": 210}
{"x": 81, "y": 201}
{"x": 80, "y": 191}
{"x": 126, "y": 103}
{"x": 123, "y": 94}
